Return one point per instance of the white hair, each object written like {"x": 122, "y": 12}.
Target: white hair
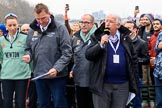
{"x": 117, "y": 17}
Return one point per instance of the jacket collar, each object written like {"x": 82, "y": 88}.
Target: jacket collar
{"x": 100, "y": 31}
{"x": 36, "y": 27}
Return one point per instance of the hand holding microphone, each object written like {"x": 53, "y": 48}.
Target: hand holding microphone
{"x": 107, "y": 31}
{"x": 105, "y": 37}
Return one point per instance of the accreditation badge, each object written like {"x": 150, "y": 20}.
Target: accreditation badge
{"x": 115, "y": 58}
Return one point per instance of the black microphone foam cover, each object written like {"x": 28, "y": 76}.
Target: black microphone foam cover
{"x": 107, "y": 31}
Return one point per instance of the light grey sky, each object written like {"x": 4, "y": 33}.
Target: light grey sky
{"x": 124, "y": 8}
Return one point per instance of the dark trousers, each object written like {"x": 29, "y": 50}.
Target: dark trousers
{"x": 158, "y": 93}
{"x": 1, "y": 100}
{"x": 55, "y": 88}
{"x": 70, "y": 92}
{"x": 84, "y": 97}
{"x": 32, "y": 94}
{"x": 20, "y": 89}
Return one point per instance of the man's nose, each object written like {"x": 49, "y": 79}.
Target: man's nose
{"x": 12, "y": 27}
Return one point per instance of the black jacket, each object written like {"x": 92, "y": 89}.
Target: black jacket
{"x": 97, "y": 55}
{"x": 141, "y": 48}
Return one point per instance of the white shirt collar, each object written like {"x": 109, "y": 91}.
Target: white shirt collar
{"x": 116, "y": 36}
{"x": 45, "y": 28}
{"x": 10, "y": 38}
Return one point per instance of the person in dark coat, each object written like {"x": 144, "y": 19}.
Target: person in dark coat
{"x": 113, "y": 66}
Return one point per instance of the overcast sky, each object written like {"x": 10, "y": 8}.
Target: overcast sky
{"x": 123, "y": 8}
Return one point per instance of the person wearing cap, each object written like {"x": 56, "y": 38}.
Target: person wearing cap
{"x": 141, "y": 20}
{"x": 3, "y": 30}
{"x": 14, "y": 73}
{"x": 145, "y": 32}
{"x": 48, "y": 46}
{"x": 147, "y": 29}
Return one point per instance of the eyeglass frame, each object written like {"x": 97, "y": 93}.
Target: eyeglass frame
{"x": 85, "y": 22}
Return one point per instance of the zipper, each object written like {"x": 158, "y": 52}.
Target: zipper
{"x": 11, "y": 43}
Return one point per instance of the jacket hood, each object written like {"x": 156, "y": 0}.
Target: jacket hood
{"x": 35, "y": 26}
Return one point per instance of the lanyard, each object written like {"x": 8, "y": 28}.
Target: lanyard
{"x": 117, "y": 46}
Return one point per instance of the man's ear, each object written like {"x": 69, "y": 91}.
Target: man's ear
{"x": 118, "y": 26}
{"x": 49, "y": 13}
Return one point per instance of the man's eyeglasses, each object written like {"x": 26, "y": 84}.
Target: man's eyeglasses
{"x": 10, "y": 15}
{"x": 86, "y": 22}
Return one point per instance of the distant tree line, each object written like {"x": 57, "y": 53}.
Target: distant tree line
{"x": 21, "y": 8}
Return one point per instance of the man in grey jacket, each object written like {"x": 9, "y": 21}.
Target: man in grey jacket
{"x": 81, "y": 64}
{"x": 48, "y": 45}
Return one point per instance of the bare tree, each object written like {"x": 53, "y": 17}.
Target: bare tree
{"x": 21, "y": 8}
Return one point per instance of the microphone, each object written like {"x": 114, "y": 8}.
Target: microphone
{"x": 107, "y": 31}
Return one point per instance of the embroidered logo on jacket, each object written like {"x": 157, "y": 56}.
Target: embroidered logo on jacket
{"x": 3, "y": 44}
{"x": 35, "y": 33}
{"x": 19, "y": 43}
{"x": 78, "y": 42}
